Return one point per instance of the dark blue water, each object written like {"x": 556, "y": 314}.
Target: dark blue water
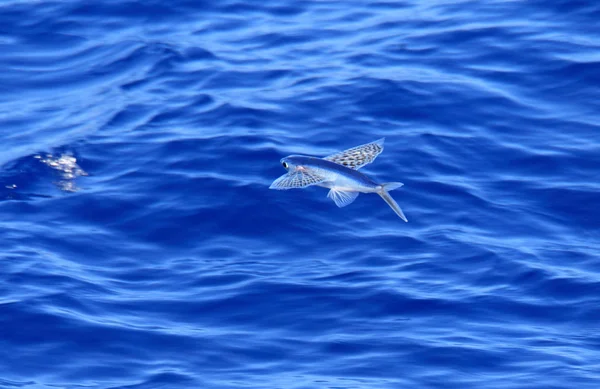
{"x": 141, "y": 246}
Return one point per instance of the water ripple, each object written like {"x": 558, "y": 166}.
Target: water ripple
{"x": 174, "y": 266}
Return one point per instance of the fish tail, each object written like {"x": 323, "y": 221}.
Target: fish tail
{"x": 383, "y": 192}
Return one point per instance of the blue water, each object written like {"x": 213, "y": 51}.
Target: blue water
{"x": 141, "y": 246}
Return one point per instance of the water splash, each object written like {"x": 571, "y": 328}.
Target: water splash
{"x": 69, "y": 170}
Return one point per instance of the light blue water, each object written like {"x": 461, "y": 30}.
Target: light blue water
{"x": 142, "y": 248}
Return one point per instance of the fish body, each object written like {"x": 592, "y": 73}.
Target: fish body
{"x": 338, "y": 172}
{"x": 336, "y": 176}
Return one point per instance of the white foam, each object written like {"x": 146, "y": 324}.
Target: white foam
{"x": 66, "y": 164}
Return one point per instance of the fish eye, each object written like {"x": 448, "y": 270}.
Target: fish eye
{"x": 285, "y": 164}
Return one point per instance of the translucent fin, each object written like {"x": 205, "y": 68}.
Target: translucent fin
{"x": 358, "y": 156}
{"x": 389, "y": 186}
{"x": 297, "y": 179}
{"x": 390, "y": 201}
{"x": 341, "y": 198}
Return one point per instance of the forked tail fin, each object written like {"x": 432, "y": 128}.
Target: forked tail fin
{"x": 383, "y": 192}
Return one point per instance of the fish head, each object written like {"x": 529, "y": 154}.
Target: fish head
{"x": 291, "y": 163}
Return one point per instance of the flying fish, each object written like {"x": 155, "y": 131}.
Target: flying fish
{"x": 339, "y": 173}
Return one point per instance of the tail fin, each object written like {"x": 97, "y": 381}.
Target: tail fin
{"x": 383, "y": 192}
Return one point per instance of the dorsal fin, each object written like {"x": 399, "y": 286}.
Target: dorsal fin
{"x": 358, "y": 156}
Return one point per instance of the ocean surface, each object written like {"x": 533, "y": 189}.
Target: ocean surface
{"x": 141, "y": 247}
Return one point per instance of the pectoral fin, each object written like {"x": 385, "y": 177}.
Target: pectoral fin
{"x": 358, "y": 156}
{"x": 341, "y": 198}
{"x": 297, "y": 179}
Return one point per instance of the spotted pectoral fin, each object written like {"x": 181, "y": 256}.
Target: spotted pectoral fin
{"x": 297, "y": 179}
{"x": 358, "y": 156}
{"x": 342, "y": 198}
